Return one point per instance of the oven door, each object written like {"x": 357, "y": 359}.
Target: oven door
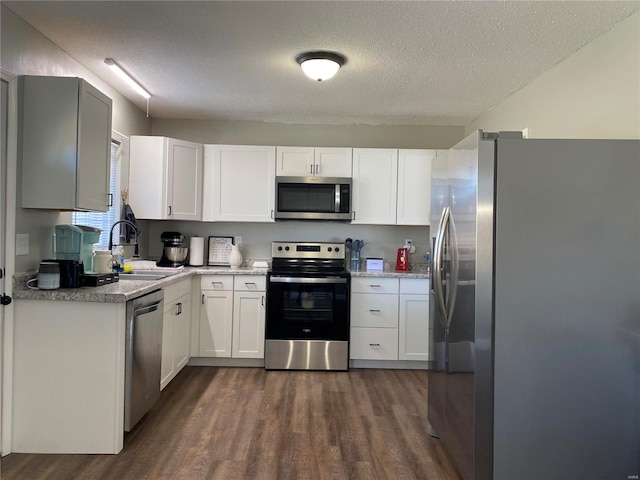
{"x": 307, "y": 308}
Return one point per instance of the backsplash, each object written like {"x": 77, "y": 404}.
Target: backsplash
{"x": 383, "y": 241}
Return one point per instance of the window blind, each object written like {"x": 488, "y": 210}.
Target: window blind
{"x": 105, "y": 220}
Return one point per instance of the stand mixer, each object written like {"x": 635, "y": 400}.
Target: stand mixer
{"x": 173, "y": 253}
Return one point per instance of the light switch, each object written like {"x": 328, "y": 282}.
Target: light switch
{"x": 22, "y": 244}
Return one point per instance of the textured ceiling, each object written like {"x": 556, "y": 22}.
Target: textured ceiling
{"x": 418, "y": 62}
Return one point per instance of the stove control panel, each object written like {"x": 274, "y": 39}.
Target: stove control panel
{"x": 320, "y": 250}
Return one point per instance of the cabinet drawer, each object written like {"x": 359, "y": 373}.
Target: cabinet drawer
{"x": 374, "y": 343}
{"x": 374, "y": 285}
{"x": 174, "y": 291}
{"x": 216, "y": 282}
{"x": 414, "y": 286}
{"x": 250, "y": 283}
{"x": 368, "y": 310}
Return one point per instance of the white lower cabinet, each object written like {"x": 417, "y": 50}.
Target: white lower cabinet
{"x": 176, "y": 333}
{"x": 374, "y": 318}
{"x": 414, "y": 320}
{"x": 216, "y": 316}
{"x": 389, "y": 319}
{"x": 232, "y": 316}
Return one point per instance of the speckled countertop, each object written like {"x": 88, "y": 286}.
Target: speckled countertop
{"x": 121, "y": 291}
{"x": 416, "y": 270}
{"x": 125, "y": 290}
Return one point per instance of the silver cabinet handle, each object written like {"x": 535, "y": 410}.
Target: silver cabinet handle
{"x": 203, "y": 298}
{"x": 317, "y": 169}
{"x": 169, "y": 210}
{"x": 262, "y": 302}
{"x": 311, "y": 169}
{"x": 374, "y": 310}
{"x": 353, "y": 215}
{"x": 374, "y": 286}
{"x": 214, "y": 284}
{"x": 250, "y": 283}
{"x": 374, "y": 345}
{"x": 271, "y": 213}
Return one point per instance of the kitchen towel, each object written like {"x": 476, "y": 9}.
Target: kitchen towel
{"x": 126, "y": 230}
{"x": 196, "y": 251}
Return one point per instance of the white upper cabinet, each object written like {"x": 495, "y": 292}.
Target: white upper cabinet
{"x": 165, "y": 178}
{"x": 239, "y": 183}
{"x": 374, "y": 188}
{"x": 414, "y": 186}
{"x": 65, "y": 147}
{"x": 310, "y": 161}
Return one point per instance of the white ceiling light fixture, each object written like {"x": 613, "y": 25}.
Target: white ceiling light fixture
{"x": 320, "y": 65}
{"x": 125, "y": 76}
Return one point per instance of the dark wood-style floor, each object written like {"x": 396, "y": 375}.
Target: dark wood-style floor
{"x": 248, "y": 423}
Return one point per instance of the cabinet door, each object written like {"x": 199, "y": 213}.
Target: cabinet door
{"x": 148, "y": 176}
{"x": 185, "y": 180}
{"x": 94, "y": 150}
{"x": 294, "y": 161}
{"x": 375, "y": 177}
{"x": 166, "y": 365}
{"x": 216, "y": 319}
{"x": 414, "y": 186}
{"x": 248, "y": 324}
{"x": 333, "y": 162}
{"x": 239, "y": 183}
{"x": 414, "y": 327}
{"x": 182, "y": 333}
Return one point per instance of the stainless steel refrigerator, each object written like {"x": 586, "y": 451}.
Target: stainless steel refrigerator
{"x": 535, "y": 307}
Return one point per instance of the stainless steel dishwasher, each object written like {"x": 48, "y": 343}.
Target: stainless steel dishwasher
{"x": 143, "y": 355}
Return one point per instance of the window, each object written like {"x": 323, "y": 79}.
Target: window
{"x": 104, "y": 220}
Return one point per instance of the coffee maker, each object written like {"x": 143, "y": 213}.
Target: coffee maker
{"x": 173, "y": 253}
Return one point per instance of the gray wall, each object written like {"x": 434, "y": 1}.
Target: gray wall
{"x": 25, "y": 51}
{"x": 285, "y": 134}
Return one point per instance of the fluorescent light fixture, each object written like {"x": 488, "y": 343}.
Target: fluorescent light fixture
{"x": 320, "y": 65}
{"x": 132, "y": 83}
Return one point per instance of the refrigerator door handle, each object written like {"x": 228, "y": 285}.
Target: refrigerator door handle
{"x": 451, "y": 294}
{"x": 437, "y": 266}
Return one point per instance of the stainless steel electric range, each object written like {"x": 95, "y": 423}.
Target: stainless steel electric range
{"x": 307, "y": 324}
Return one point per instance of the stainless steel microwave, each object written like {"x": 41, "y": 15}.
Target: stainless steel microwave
{"x": 313, "y": 198}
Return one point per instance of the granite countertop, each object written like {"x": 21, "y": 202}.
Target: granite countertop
{"x": 122, "y": 290}
{"x": 125, "y": 290}
{"x": 416, "y": 270}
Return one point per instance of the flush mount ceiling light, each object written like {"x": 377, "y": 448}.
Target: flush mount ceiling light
{"x": 320, "y": 65}
{"x": 122, "y": 74}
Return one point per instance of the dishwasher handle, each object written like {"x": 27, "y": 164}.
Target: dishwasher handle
{"x": 146, "y": 309}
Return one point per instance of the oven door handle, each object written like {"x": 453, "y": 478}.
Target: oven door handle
{"x": 307, "y": 280}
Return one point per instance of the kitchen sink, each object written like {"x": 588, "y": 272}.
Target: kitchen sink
{"x": 142, "y": 276}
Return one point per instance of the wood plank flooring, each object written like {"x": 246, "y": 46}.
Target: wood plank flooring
{"x": 248, "y": 423}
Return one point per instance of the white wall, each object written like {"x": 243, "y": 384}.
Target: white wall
{"x": 25, "y": 51}
{"x": 595, "y": 93}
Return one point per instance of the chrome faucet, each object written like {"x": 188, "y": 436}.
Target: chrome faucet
{"x": 136, "y": 253}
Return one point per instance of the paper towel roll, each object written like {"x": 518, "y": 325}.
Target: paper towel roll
{"x": 196, "y": 251}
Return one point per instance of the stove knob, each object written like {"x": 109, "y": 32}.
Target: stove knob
{"x": 337, "y": 249}
{"x": 286, "y": 249}
{"x": 279, "y": 249}
{"x": 329, "y": 249}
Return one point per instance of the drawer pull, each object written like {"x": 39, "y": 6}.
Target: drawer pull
{"x": 374, "y": 345}
{"x": 217, "y": 283}
{"x": 374, "y": 286}
{"x": 374, "y": 311}
{"x": 250, "y": 283}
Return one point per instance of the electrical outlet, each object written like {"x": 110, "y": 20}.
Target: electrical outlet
{"x": 409, "y": 243}
{"x": 237, "y": 240}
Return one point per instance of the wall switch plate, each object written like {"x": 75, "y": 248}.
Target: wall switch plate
{"x": 22, "y": 244}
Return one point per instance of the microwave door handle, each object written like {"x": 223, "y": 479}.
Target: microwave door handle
{"x": 337, "y": 199}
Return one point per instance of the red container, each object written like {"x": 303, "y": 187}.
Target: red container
{"x": 402, "y": 262}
